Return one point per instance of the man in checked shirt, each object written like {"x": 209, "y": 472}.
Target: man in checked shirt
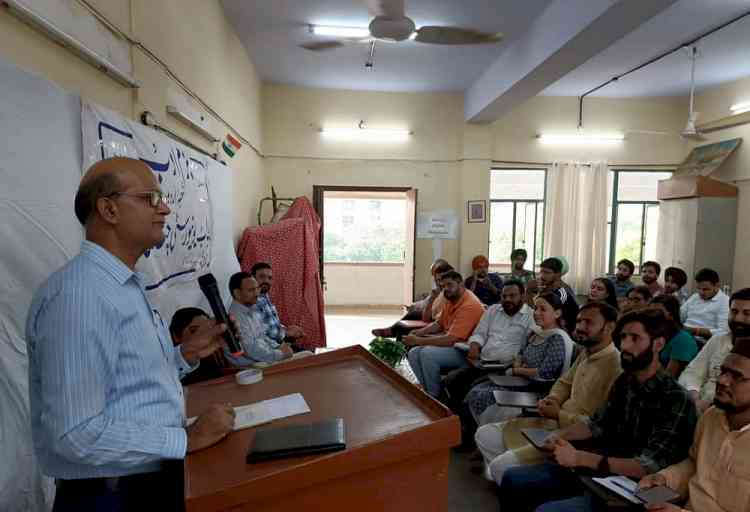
{"x": 646, "y": 425}
{"x": 275, "y": 330}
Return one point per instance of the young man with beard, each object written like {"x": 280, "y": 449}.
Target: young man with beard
{"x": 485, "y": 285}
{"x": 573, "y": 398}
{"x": 700, "y": 376}
{"x": 650, "y": 271}
{"x": 275, "y": 330}
{"x": 433, "y": 345}
{"x": 621, "y": 279}
{"x": 499, "y": 336}
{"x": 647, "y": 424}
{"x": 715, "y": 477}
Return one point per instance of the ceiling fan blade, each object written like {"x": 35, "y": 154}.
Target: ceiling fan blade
{"x": 393, "y": 9}
{"x": 319, "y": 46}
{"x": 455, "y": 35}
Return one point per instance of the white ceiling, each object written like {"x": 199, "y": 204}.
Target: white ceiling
{"x": 272, "y": 30}
{"x": 723, "y": 56}
{"x": 613, "y": 36}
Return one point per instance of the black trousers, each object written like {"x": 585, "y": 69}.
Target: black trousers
{"x": 458, "y": 383}
{"x": 162, "y": 491}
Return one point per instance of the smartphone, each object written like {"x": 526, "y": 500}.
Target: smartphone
{"x": 657, "y": 495}
{"x": 536, "y": 436}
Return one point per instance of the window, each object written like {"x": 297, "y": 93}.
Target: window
{"x": 364, "y": 230}
{"x": 633, "y": 216}
{"x": 516, "y": 215}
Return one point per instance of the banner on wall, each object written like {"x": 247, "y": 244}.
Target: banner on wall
{"x": 185, "y": 251}
{"x": 197, "y": 189}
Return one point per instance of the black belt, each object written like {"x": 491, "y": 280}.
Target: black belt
{"x": 103, "y": 484}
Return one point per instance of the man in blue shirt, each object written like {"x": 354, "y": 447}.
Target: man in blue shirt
{"x": 621, "y": 280}
{"x": 275, "y": 330}
{"x": 107, "y": 407}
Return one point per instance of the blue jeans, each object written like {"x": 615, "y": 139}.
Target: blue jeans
{"x": 540, "y": 487}
{"x": 427, "y": 362}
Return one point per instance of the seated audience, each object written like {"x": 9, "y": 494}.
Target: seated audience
{"x": 551, "y": 271}
{"x": 646, "y": 425}
{"x": 602, "y": 290}
{"x": 715, "y": 475}
{"x": 275, "y": 330}
{"x": 638, "y": 297}
{"x": 680, "y": 347}
{"x": 187, "y": 321}
{"x": 257, "y": 345}
{"x": 621, "y": 279}
{"x": 436, "y": 300}
{"x": 485, "y": 285}
{"x": 517, "y": 271}
{"x": 650, "y": 271}
{"x": 499, "y": 336}
{"x": 418, "y": 310}
{"x": 705, "y": 313}
{"x": 541, "y": 359}
{"x": 675, "y": 280}
{"x": 574, "y": 397}
{"x": 700, "y": 376}
{"x": 433, "y": 349}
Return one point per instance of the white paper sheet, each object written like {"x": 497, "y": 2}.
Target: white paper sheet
{"x": 252, "y": 415}
{"x": 622, "y": 486}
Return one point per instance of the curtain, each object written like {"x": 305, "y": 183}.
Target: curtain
{"x": 576, "y": 220}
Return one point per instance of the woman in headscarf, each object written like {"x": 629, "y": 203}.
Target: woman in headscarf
{"x": 485, "y": 285}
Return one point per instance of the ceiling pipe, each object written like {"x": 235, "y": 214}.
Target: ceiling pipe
{"x": 686, "y": 44}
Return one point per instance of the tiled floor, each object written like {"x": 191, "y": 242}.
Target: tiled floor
{"x": 351, "y": 326}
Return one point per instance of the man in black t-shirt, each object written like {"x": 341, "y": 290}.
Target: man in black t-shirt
{"x": 550, "y": 279}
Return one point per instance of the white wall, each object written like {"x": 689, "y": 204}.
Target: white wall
{"x": 362, "y": 284}
{"x": 714, "y": 104}
{"x": 447, "y": 160}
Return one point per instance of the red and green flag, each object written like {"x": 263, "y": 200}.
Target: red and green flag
{"x": 231, "y": 145}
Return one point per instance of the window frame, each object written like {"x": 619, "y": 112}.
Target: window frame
{"x": 543, "y": 201}
{"x": 615, "y": 214}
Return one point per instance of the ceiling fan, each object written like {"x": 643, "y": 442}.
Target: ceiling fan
{"x": 690, "y": 131}
{"x": 389, "y": 23}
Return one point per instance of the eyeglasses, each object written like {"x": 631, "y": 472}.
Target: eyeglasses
{"x": 155, "y": 197}
{"x": 737, "y": 377}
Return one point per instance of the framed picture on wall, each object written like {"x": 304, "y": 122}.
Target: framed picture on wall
{"x": 477, "y": 211}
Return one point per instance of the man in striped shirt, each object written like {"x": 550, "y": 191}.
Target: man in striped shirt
{"x": 107, "y": 407}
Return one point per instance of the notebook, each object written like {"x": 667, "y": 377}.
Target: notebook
{"x": 510, "y": 381}
{"x": 295, "y": 440}
{"x": 521, "y": 399}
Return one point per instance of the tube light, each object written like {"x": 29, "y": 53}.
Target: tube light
{"x": 193, "y": 123}
{"x": 740, "y": 108}
{"x": 353, "y": 32}
{"x": 365, "y": 134}
{"x": 49, "y": 29}
{"x": 576, "y": 138}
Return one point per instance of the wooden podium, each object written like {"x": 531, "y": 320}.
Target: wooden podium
{"x": 398, "y": 442}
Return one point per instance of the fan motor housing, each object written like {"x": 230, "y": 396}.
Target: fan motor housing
{"x": 391, "y": 29}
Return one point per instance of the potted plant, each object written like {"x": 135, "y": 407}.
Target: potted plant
{"x": 388, "y": 350}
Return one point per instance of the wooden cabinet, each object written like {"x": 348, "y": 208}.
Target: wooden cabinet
{"x": 697, "y": 225}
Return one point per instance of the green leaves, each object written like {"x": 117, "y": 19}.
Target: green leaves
{"x": 390, "y": 351}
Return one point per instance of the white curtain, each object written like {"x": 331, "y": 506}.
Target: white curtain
{"x": 576, "y": 220}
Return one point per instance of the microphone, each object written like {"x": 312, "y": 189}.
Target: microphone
{"x": 210, "y": 289}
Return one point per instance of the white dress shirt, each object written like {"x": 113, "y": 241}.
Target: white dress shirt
{"x": 501, "y": 336}
{"x": 712, "y": 314}
{"x": 703, "y": 371}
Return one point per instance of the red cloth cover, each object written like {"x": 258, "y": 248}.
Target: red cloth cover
{"x": 291, "y": 247}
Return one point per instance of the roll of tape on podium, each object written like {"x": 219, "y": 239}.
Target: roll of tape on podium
{"x": 249, "y": 377}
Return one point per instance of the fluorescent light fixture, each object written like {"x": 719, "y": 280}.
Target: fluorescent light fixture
{"x": 25, "y": 14}
{"x": 327, "y": 30}
{"x": 365, "y": 134}
{"x": 740, "y": 108}
{"x": 191, "y": 122}
{"x": 581, "y": 138}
